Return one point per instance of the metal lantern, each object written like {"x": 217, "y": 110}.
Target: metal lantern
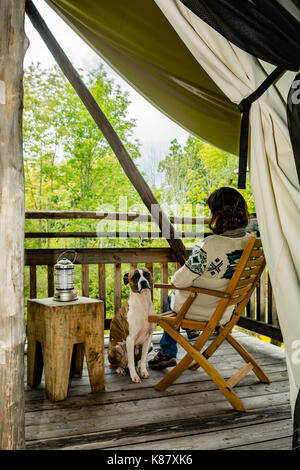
{"x": 65, "y": 291}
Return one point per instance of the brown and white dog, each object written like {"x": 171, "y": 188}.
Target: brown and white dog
{"x": 130, "y": 331}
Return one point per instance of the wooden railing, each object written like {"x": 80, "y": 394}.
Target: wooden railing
{"x": 260, "y": 315}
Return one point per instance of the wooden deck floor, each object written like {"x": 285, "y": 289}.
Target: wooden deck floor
{"x": 191, "y": 415}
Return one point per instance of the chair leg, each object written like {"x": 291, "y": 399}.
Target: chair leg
{"x": 215, "y": 344}
{"x": 192, "y": 353}
{"x": 174, "y": 373}
{"x": 258, "y": 371}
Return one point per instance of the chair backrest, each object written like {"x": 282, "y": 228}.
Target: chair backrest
{"x": 247, "y": 273}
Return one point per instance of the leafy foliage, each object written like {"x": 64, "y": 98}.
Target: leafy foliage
{"x": 193, "y": 172}
{"x": 70, "y": 166}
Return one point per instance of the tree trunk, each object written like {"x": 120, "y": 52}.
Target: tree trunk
{"x": 12, "y": 325}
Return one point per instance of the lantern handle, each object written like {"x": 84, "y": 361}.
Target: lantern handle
{"x": 66, "y": 251}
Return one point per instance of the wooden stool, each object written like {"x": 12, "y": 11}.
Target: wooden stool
{"x": 59, "y": 333}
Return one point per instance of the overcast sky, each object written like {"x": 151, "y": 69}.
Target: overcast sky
{"x": 154, "y": 130}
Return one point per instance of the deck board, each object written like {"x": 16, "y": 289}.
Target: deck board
{"x": 191, "y": 414}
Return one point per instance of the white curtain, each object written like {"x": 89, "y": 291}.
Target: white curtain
{"x": 272, "y": 168}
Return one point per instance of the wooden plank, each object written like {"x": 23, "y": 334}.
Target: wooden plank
{"x": 260, "y": 327}
{"x": 243, "y": 282}
{"x": 236, "y": 300}
{"x": 222, "y": 440}
{"x": 32, "y": 282}
{"x": 250, "y": 272}
{"x": 149, "y": 266}
{"x": 63, "y": 422}
{"x": 239, "y": 375}
{"x": 127, "y": 414}
{"x": 102, "y": 285}
{"x": 102, "y": 255}
{"x": 129, "y": 216}
{"x": 123, "y": 391}
{"x": 85, "y": 280}
{"x": 258, "y": 243}
{"x": 117, "y": 287}
{"x": 108, "y": 131}
{"x": 257, "y": 253}
{"x": 270, "y": 301}
{"x": 164, "y": 292}
{"x": 255, "y": 262}
{"x": 265, "y": 353}
{"x": 284, "y": 443}
{"x": 149, "y": 432}
{"x": 263, "y": 295}
{"x": 271, "y": 311}
{"x": 198, "y": 290}
{"x": 50, "y": 280}
{"x": 127, "y": 234}
{"x": 78, "y": 395}
{"x": 241, "y": 290}
{"x": 258, "y": 299}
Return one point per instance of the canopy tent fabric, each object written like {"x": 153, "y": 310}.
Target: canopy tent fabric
{"x": 272, "y": 167}
{"x": 267, "y": 30}
{"x": 138, "y": 42}
{"x": 196, "y": 77}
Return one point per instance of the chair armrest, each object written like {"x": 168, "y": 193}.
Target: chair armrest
{"x": 197, "y": 290}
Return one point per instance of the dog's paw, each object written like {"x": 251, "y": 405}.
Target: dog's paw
{"x": 144, "y": 374}
{"x": 135, "y": 378}
{"x": 121, "y": 371}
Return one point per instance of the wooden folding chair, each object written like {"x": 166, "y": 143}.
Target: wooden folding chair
{"x": 238, "y": 292}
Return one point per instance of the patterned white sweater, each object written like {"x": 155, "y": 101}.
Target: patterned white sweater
{"x": 211, "y": 266}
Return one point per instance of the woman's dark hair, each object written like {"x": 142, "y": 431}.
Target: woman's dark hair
{"x": 228, "y": 210}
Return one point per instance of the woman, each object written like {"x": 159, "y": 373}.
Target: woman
{"x": 211, "y": 266}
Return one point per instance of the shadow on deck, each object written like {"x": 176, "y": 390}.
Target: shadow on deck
{"x": 191, "y": 415}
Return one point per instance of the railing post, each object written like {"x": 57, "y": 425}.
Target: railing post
{"x": 33, "y": 290}
{"x": 117, "y": 286}
{"x": 85, "y": 280}
{"x": 102, "y": 285}
{"x": 150, "y": 267}
{"x": 50, "y": 280}
{"x": 164, "y": 292}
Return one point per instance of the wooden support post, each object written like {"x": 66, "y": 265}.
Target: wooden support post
{"x": 85, "y": 280}
{"x": 109, "y": 133}
{"x": 32, "y": 282}
{"x": 12, "y": 215}
{"x": 50, "y": 280}
{"x": 164, "y": 292}
{"x": 117, "y": 287}
{"x": 102, "y": 285}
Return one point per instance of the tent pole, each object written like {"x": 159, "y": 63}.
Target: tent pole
{"x": 13, "y": 45}
{"x": 109, "y": 133}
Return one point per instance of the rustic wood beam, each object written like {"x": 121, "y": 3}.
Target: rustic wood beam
{"x": 134, "y": 235}
{"x": 108, "y": 131}
{"x": 127, "y": 216}
{"x": 40, "y": 257}
{"x": 13, "y": 44}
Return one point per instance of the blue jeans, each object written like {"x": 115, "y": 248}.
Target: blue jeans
{"x": 167, "y": 343}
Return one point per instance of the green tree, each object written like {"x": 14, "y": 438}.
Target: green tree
{"x": 68, "y": 162}
{"x": 193, "y": 171}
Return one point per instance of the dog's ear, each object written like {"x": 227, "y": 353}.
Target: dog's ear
{"x": 125, "y": 278}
